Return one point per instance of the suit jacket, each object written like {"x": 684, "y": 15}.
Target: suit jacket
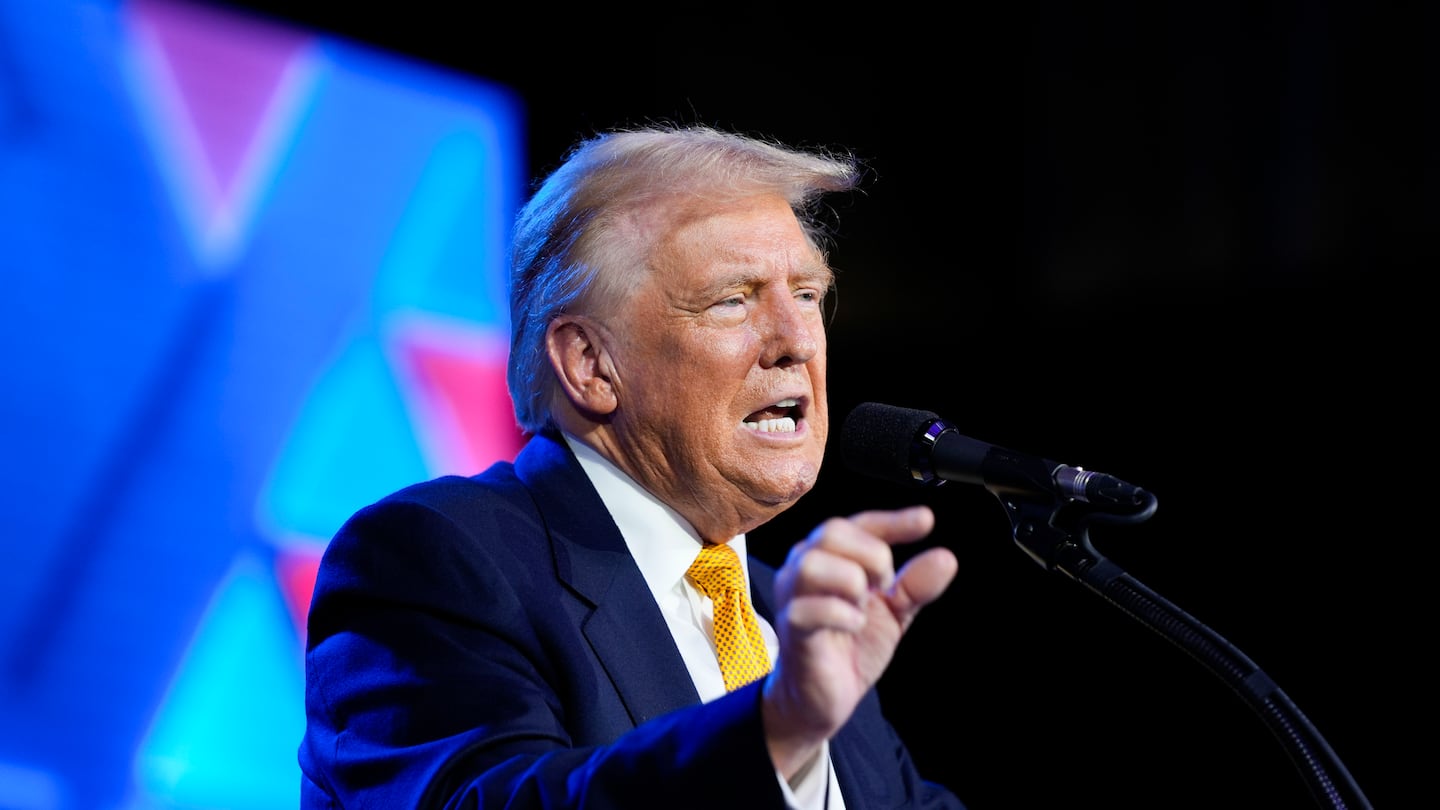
{"x": 489, "y": 641}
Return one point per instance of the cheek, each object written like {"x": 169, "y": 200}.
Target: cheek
{"x": 819, "y": 369}
{"x": 819, "y": 362}
{"x": 718, "y": 349}
{"x": 820, "y": 411}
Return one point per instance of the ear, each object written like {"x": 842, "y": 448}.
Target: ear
{"x": 581, "y": 362}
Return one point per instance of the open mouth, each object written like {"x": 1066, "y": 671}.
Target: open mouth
{"x": 778, "y": 418}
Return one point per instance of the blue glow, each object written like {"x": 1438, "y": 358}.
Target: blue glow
{"x": 198, "y": 369}
{"x": 353, "y": 414}
{"x": 230, "y": 724}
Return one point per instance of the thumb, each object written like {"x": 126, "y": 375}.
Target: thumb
{"x": 922, "y": 580}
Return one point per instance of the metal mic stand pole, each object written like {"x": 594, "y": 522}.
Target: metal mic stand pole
{"x": 1055, "y": 536}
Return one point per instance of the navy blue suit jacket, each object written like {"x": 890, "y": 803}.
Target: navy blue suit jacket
{"x": 489, "y": 641}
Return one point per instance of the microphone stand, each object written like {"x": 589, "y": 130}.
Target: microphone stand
{"x": 1055, "y": 535}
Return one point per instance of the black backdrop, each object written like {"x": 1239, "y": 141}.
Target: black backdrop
{"x": 1180, "y": 243}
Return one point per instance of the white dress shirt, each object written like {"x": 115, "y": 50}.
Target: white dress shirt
{"x": 664, "y": 545}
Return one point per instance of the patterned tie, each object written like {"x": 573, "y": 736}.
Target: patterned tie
{"x": 738, "y": 643}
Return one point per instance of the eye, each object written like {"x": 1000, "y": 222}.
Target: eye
{"x": 731, "y": 302}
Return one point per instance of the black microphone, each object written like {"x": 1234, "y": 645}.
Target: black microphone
{"x": 912, "y": 446}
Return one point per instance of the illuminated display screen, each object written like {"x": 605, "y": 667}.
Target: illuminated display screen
{"x": 253, "y": 280}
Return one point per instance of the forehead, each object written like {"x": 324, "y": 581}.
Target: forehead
{"x": 750, "y": 232}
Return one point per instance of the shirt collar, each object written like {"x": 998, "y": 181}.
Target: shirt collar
{"x": 662, "y": 542}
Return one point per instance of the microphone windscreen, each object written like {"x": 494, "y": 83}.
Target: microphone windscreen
{"x": 881, "y": 440}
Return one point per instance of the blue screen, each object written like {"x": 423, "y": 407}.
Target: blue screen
{"x": 253, "y": 278}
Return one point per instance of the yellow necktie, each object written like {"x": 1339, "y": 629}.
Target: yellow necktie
{"x": 738, "y": 643}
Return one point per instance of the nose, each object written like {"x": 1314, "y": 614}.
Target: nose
{"x": 794, "y": 333}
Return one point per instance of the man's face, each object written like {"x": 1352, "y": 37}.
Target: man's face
{"x": 720, "y": 367}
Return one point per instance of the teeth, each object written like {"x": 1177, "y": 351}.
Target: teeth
{"x": 784, "y": 424}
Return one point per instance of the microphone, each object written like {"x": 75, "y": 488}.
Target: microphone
{"x": 912, "y": 446}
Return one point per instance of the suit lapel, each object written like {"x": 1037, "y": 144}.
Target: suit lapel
{"x": 762, "y": 589}
{"x": 625, "y": 628}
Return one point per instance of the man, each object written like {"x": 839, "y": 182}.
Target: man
{"x": 529, "y": 637}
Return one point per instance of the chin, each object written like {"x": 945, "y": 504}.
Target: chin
{"x": 792, "y": 484}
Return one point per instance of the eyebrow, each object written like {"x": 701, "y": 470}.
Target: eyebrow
{"x": 820, "y": 271}
{"x": 817, "y": 273}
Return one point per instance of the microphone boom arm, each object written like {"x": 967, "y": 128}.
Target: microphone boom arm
{"x": 1050, "y": 507}
{"x": 1055, "y": 535}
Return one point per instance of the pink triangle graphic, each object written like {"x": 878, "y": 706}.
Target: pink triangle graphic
{"x": 454, "y": 381}
{"x": 226, "y": 70}
{"x": 295, "y": 570}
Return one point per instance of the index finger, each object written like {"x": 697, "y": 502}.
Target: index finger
{"x": 897, "y": 525}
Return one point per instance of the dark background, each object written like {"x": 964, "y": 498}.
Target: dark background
{"x": 1184, "y": 244}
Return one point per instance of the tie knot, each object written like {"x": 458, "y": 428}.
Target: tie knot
{"x": 717, "y": 570}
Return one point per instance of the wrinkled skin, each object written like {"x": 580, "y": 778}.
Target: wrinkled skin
{"x": 727, "y": 326}
{"x": 725, "y": 335}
